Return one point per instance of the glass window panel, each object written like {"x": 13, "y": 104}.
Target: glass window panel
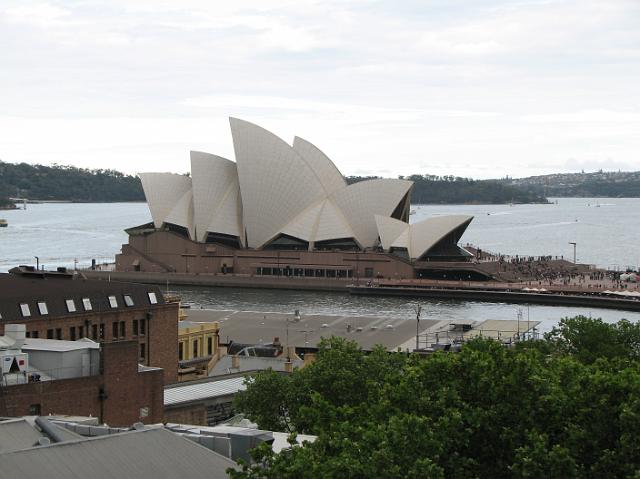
{"x": 24, "y": 308}
{"x": 86, "y": 302}
{"x": 113, "y": 301}
{"x": 71, "y": 305}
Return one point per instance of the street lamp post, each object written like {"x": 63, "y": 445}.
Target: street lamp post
{"x": 574, "y": 250}
{"x": 296, "y": 319}
{"x": 418, "y": 310}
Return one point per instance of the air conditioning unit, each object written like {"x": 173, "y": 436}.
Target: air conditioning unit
{"x": 13, "y": 362}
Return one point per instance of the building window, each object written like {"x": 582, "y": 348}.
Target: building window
{"x": 143, "y": 327}
{"x": 135, "y": 327}
{"x": 58, "y": 334}
{"x": 368, "y": 272}
{"x": 71, "y": 305}
{"x": 114, "y": 329}
{"x": 24, "y": 309}
{"x": 142, "y": 351}
{"x": 72, "y": 333}
{"x": 123, "y": 329}
{"x": 209, "y": 345}
{"x": 128, "y": 300}
{"x": 101, "y": 332}
{"x": 42, "y": 307}
{"x": 113, "y": 301}
{"x": 35, "y": 334}
{"x": 49, "y": 333}
{"x": 27, "y": 334}
{"x": 94, "y": 332}
{"x": 152, "y": 297}
{"x": 35, "y": 410}
{"x": 86, "y": 302}
{"x": 80, "y": 331}
{"x": 180, "y": 351}
{"x": 195, "y": 349}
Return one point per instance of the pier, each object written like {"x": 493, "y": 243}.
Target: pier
{"x": 597, "y": 294}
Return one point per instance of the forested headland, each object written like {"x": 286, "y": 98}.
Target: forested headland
{"x": 67, "y": 183}
{"x": 567, "y": 406}
{"x": 432, "y": 189}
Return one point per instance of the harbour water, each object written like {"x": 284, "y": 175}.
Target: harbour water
{"x": 605, "y": 230}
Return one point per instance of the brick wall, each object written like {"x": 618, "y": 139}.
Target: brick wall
{"x": 192, "y": 414}
{"x": 125, "y": 391}
{"x": 159, "y": 341}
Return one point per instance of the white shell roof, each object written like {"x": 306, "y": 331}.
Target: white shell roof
{"x": 328, "y": 175}
{"x": 360, "y": 202}
{"x": 169, "y": 198}
{"x": 420, "y": 237}
{"x": 276, "y": 184}
{"x": 216, "y": 193}
{"x": 274, "y": 188}
{"x": 426, "y": 234}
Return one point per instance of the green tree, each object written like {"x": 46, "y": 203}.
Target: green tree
{"x": 539, "y": 410}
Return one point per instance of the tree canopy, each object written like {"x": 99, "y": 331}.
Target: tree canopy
{"x": 563, "y": 407}
{"x": 457, "y": 190}
{"x": 67, "y": 183}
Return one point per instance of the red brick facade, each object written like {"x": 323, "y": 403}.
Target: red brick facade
{"x": 153, "y": 328}
{"x": 119, "y": 396}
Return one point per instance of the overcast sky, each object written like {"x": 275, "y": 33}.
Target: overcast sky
{"x": 473, "y": 88}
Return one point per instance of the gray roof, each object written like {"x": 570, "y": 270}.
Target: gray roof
{"x": 150, "y": 453}
{"x": 41, "y": 344}
{"x": 252, "y": 327}
{"x": 17, "y": 434}
{"x": 54, "y": 291}
{"x": 203, "y": 390}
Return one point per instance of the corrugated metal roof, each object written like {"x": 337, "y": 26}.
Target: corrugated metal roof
{"x": 17, "y": 434}
{"x": 204, "y": 390}
{"x": 41, "y": 344}
{"x": 151, "y": 453}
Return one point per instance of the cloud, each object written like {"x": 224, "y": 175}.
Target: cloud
{"x": 483, "y": 87}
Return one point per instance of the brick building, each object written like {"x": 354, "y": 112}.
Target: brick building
{"x": 100, "y": 380}
{"x": 59, "y": 305}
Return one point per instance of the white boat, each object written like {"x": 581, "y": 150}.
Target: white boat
{"x": 3, "y": 223}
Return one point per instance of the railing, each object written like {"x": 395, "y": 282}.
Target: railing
{"x": 45, "y": 375}
{"x": 449, "y": 336}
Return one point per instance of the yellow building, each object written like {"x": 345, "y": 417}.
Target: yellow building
{"x": 197, "y": 341}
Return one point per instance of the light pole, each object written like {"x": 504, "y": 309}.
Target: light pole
{"x": 574, "y": 250}
{"x": 296, "y": 319}
{"x": 418, "y": 310}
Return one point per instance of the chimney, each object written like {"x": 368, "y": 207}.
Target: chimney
{"x": 14, "y": 335}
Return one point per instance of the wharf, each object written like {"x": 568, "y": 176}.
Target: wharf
{"x": 588, "y": 294}
{"x": 504, "y": 294}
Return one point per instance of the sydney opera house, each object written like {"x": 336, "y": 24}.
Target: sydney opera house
{"x": 284, "y": 210}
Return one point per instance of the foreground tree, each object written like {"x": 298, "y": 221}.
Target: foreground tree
{"x": 540, "y": 410}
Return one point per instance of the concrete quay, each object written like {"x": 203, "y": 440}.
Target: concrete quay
{"x": 586, "y": 293}
{"x": 504, "y": 294}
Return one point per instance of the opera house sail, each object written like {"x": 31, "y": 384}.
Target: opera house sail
{"x": 283, "y": 210}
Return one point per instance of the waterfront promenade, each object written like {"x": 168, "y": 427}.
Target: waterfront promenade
{"x": 593, "y": 289}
